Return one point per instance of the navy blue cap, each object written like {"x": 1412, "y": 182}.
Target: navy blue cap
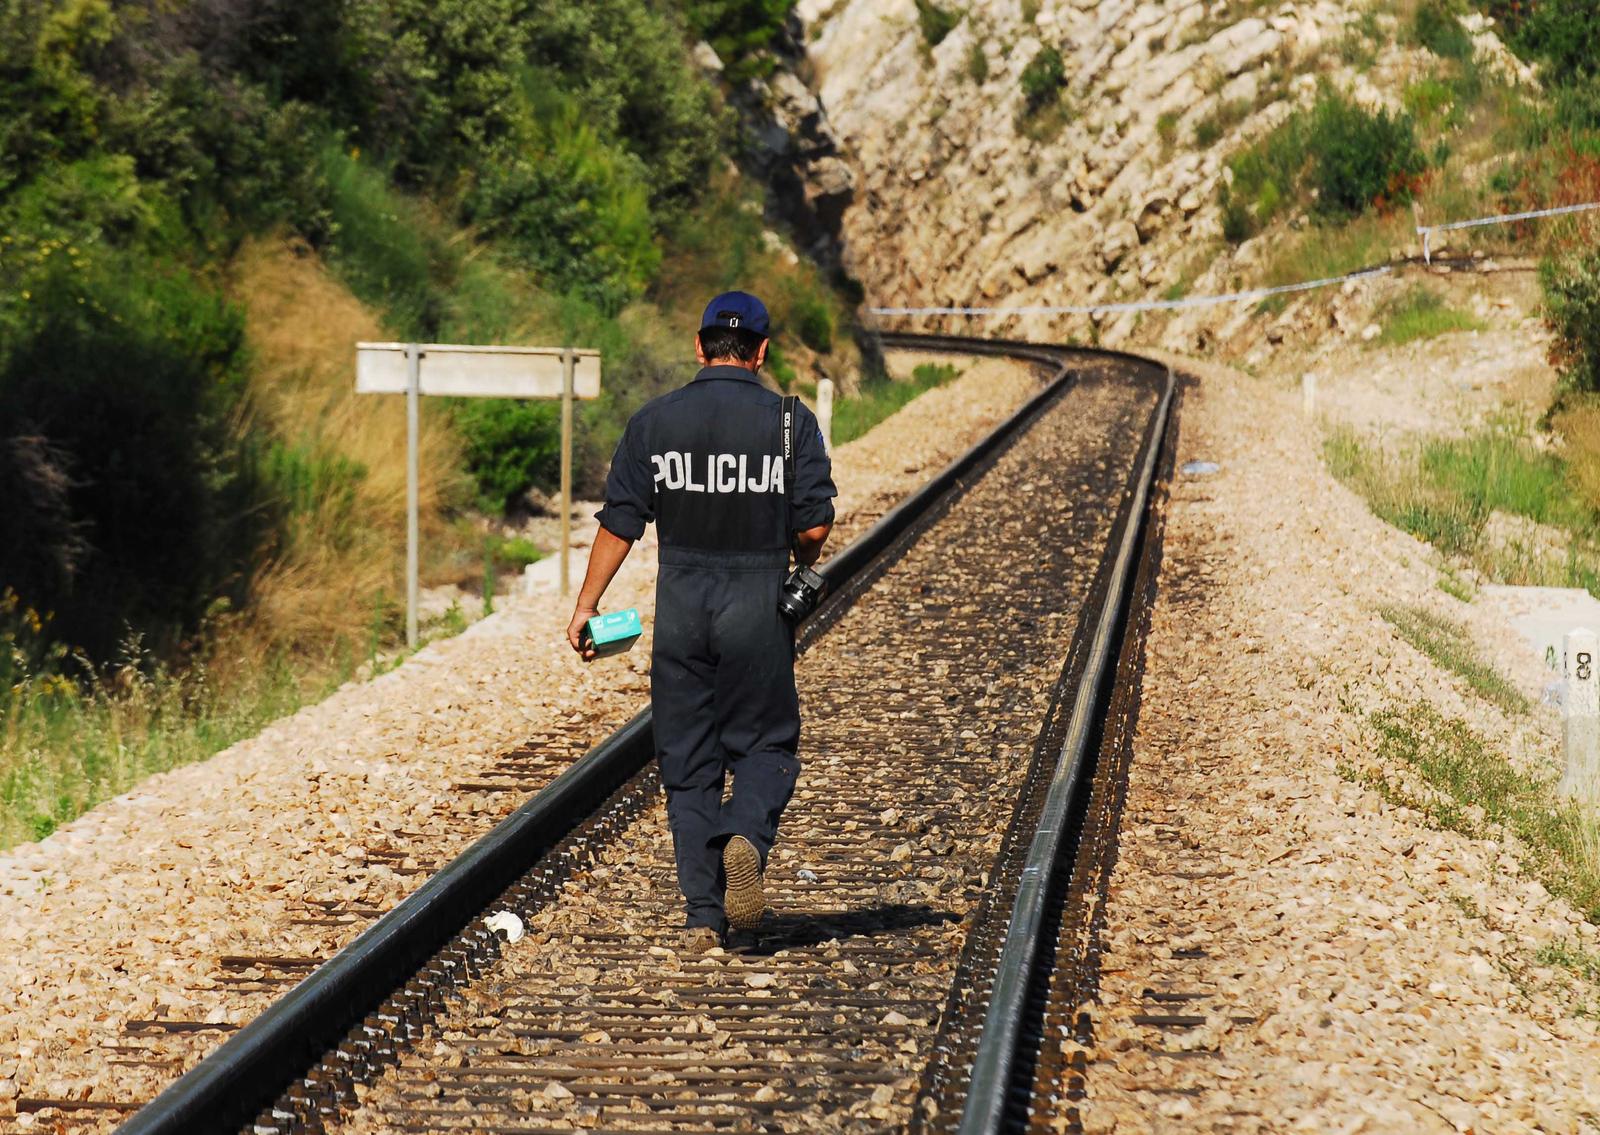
{"x": 737, "y": 309}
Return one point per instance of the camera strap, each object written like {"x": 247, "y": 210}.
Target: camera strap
{"x": 786, "y": 422}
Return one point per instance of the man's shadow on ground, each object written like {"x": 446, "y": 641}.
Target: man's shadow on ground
{"x": 797, "y": 929}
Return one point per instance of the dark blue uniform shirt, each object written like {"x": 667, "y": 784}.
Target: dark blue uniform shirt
{"x": 705, "y": 463}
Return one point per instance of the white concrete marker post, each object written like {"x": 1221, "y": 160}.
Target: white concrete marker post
{"x": 825, "y": 411}
{"x": 415, "y": 369}
{"x": 1308, "y": 393}
{"x": 1582, "y": 778}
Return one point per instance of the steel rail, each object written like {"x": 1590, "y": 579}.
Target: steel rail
{"x": 993, "y": 1076}
{"x": 231, "y": 1085}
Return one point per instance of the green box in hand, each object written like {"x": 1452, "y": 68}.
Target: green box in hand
{"x": 614, "y": 632}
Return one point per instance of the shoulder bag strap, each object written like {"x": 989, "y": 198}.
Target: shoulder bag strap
{"x": 786, "y": 423}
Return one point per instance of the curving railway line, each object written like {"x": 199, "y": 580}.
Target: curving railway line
{"x": 968, "y": 692}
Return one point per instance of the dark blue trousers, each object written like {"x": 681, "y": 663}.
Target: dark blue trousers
{"x": 723, "y": 695}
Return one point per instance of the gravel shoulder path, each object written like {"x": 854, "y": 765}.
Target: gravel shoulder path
{"x": 1355, "y": 969}
{"x": 290, "y": 843}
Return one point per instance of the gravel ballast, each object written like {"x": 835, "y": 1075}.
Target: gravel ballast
{"x": 1356, "y": 970}
{"x": 114, "y": 931}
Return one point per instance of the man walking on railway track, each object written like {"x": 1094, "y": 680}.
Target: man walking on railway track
{"x": 707, "y": 464}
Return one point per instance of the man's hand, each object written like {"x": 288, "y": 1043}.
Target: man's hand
{"x": 808, "y": 544}
{"x": 575, "y": 631}
{"x": 605, "y": 557}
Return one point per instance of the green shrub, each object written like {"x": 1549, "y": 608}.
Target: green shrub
{"x": 575, "y": 207}
{"x": 514, "y": 552}
{"x": 1265, "y": 176}
{"x": 1572, "y": 314}
{"x": 1564, "y": 35}
{"x": 739, "y": 30}
{"x": 1043, "y": 78}
{"x": 1361, "y": 158}
{"x": 1428, "y": 98}
{"x": 509, "y": 446}
{"x": 936, "y": 22}
{"x": 813, "y": 323}
{"x": 1352, "y": 157}
{"x": 134, "y": 500}
{"x": 382, "y": 244}
{"x": 1167, "y": 128}
{"x": 1436, "y": 26}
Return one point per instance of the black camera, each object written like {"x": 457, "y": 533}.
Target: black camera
{"x": 801, "y": 593}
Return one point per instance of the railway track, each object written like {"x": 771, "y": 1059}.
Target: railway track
{"x": 932, "y": 925}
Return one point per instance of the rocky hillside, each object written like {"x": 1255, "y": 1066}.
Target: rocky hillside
{"x": 988, "y": 173}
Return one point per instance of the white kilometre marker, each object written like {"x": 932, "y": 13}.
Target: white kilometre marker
{"x": 1583, "y": 716}
{"x": 1308, "y": 393}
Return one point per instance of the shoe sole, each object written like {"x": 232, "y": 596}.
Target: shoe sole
{"x": 746, "y": 901}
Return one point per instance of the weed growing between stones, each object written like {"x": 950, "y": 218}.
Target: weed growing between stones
{"x": 1441, "y": 767}
{"x": 1450, "y": 646}
{"x": 1420, "y": 313}
{"x": 1491, "y": 500}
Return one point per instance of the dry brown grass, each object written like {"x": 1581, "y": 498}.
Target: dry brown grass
{"x": 341, "y": 553}
{"x": 1579, "y": 428}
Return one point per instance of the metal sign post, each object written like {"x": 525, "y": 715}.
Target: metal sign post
{"x": 413, "y": 476}
{"x": 475, "y": 372}
{"x": 569, "y": 363}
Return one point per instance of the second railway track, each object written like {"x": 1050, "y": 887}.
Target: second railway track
{"x": 936, "y": 693}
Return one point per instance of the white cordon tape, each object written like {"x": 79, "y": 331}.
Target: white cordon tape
{"x": 1427, "y": 231}
{"x": 1147, "y": 305}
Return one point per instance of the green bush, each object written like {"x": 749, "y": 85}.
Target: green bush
{"x": 1265, "y": 176}
{"x": 1352, "y": 157}
{"x": 575, "y": 207}
{"x": 813, "y": 323}
{"x": 1436, "y": 26}
{"x": 739, "y": 31}
{"x": 936, "y": 22}
{"x": 510, "y": 446}
{"x": 1564, "y": 35}
{"x": 1572, "y": 313}
{"x": 1361, "y": 158}
{"x": 1043, "y": 78}
{"x": 382, "y": 245}
{"x": 135, "y": 499}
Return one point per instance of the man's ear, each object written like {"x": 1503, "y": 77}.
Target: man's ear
{"x": 761, "y": 353}
{"x": 699, "y": 350}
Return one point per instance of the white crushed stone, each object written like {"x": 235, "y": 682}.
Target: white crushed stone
{"x": 123, "y": 914}
{"x": 1383, "y": 970}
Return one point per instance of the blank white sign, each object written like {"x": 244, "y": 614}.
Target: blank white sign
{"x": 475, "y": 372}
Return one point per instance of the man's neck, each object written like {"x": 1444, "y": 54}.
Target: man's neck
{"x": 732, "y": 362}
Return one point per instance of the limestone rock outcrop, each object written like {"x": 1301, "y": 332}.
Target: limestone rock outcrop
{"x": 958, "y": 195}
